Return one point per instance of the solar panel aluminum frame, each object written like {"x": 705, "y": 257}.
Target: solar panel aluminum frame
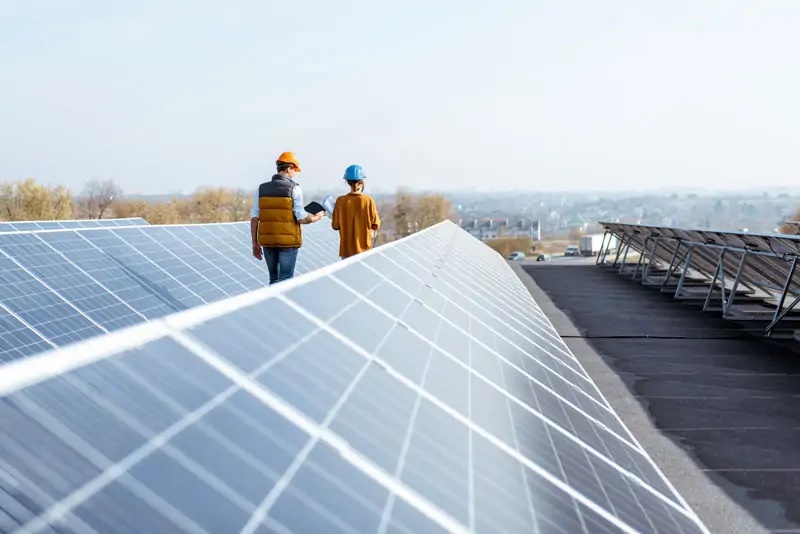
{"x": 70, "y": 224}
{"x": 758, "y": 267}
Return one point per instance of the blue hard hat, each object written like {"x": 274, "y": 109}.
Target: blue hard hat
{"x": 353, "y": 173}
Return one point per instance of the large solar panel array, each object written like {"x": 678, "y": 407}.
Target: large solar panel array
{"x": 62, "y": 286}
{"x": 413, "y": 388}
{"x": 24, "y": 226}
{"x": 745, "y": 276}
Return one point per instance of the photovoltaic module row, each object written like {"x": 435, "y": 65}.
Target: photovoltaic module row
{"x": 414, "y": 388}
{"x": 745, "y": 275}
{"x": 62, "y": 286}
{"x": 17, "y": 226}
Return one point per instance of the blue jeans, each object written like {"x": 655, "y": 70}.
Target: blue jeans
{"x": 280, "y": 263}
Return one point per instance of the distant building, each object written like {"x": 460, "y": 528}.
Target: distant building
{"x": 493, "y": 228}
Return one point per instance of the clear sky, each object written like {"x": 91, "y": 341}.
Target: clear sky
{"x": 168, "y": 95}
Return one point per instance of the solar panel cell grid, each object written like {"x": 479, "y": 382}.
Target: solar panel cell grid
{"x": 111, "y": 273}
{"x": 25, "y": 226}
{"x": 65, "y": 279}
{"x": 142, "y": 268}
{"x": 224, "y": 271}
{"x": 17, "y": 340}
{"x": 90, "y": 282}
{"x": 543, "y": 335}
{"x": 320, "y": 407}
{"x": 66, "y": 224}
{"x": 472, "y": 289}
{"x": 45, "y": 225}
{"x": 488, "y": 336}
{"x": 175, "y": 261}
{"x": 41, "y": 309}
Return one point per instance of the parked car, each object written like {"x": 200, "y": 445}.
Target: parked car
{"x": 517, "y": 256}
{"x": 543, "y": 257}
{"x": 572, "y": 251}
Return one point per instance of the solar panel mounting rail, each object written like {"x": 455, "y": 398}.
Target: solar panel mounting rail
{"x": 747, "y": 277}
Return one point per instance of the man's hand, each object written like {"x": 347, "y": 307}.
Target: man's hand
{"x": 257, "y": 251}
{"x": 309, "y": 218}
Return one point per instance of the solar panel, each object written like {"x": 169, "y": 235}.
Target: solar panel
{"x": 62, "y": 286}
{"x": 359, "y": 398}
{"x": 745, "y": 276}
{"x": 27, "y": 226}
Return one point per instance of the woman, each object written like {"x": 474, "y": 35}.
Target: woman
{"x": 355, "y": 215}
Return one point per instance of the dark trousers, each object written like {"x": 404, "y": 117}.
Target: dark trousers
{"x": 280, "y": 263}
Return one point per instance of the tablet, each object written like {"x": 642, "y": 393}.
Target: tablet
{"x": 314, "y": 207}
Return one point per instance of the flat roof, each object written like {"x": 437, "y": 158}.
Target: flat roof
{"x": 718, "y": 409}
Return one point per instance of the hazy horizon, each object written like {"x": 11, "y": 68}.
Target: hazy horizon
{"x": 790, "y": 190}
{"x": 541, "y": 96}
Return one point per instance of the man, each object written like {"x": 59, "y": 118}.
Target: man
{"x": 276, "y": 217}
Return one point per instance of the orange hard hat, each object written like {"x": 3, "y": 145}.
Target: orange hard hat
{"x": 289, "y": 157}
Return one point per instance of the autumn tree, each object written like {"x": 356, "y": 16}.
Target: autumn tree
{"x": 412, "y": 213}
{"x": 791, "y": 229}
{"x": 127, "y": 208}
{"x": 28, "y": 200}
{"x": 184, "y": 210}
{"x": 167, "y": 212}
{"x": 97, "y": 198}
{"x": 430, "y": 210}
{"x": 212, "y": 204}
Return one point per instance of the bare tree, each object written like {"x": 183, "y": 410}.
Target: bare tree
{"x": 98, "y": 196}
{"x": 403, "y": 214}
{"x": 241, "y": 202}
{"x": 8, "y": 201}
{"x": 387, "y": 233}
{"x": 62, "y": 202}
